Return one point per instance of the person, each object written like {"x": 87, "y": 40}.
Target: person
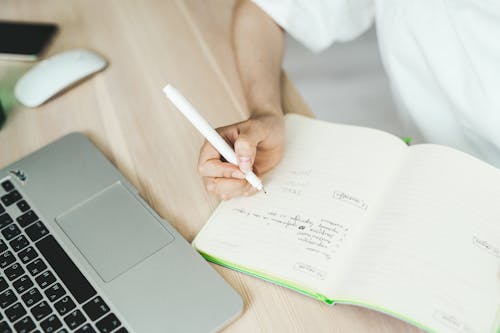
{"x": 442, "y": 59}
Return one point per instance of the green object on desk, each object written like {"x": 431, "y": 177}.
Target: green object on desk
{"x": 407, "y": 140}
{"x": 7, "y": 103}
{"x": 3, "y": 115}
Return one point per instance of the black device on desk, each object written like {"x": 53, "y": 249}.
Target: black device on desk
{"x": 24, "y": 40}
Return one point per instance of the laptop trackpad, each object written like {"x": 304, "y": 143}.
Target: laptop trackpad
{"x": 113, "y": 231}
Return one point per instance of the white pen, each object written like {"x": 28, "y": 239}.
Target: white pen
{"x": 188, "y": 110}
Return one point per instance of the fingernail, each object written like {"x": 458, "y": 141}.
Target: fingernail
{"x": 238, "y": 174}
{"x": 244, "y": 164}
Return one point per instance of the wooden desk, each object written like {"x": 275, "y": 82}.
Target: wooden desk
{"x": 124, "y": 112}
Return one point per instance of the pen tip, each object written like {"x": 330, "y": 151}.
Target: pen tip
{"x": 264, "y": 190}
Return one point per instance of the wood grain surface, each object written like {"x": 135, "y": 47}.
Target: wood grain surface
{"x": 124, "y": 112}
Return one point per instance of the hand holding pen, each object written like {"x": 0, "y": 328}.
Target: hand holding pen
{"x": 258, "y": 144}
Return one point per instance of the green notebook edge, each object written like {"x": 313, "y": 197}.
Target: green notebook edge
{"x": 310, "y": 293}
{"x": 266, "y": 277}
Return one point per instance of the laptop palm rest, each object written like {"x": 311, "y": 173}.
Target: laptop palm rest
{"x": 113, "y": 231}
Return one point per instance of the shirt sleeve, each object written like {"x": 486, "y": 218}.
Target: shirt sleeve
{"x": 319, "y": 23}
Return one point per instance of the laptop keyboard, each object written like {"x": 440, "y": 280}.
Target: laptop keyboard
{"x": 41, "y": 289}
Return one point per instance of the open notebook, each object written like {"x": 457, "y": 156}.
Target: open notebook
{"x": 354, "y": 215}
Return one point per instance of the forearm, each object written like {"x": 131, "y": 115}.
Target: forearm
{"x": 258, "y": 44}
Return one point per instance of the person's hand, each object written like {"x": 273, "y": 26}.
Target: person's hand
{"x": 258, "y": 143}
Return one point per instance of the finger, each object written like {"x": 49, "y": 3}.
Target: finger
{"x": 209, "y": 183}
{"x": 245, "y": 145}
{"x": 251, "y": 191}
{"x": 217, "y": 168}
{"x": 226, "y": 189}
{"x": 210, "y": 165}
{"x": 229, "y": 133}
{"x": 207, "y": 152}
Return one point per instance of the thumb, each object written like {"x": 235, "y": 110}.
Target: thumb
{"x": 246, "y": 147}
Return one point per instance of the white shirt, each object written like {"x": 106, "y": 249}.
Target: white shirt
{"x": 442, "y": 58}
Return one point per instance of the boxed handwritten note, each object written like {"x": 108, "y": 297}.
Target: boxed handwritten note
{"x": 354, "y": 215}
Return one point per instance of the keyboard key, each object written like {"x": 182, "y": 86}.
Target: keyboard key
{"x": 6, "y": 259}
{"x": 14, "y": 271}
{"x": 10, "y": 231}
{"x": 45, "y": 279}
{"x": 22, "y": 284}
{"x": 24, "y": 325}
{"x": 11, "y": 198}
{"x": 5, "y": 220}
{"x": 27, "y": 218}
{"x": 27, "y": 255}
{"x": 51, "y": 324}
{"x": 74, "y": 319}
{"x": 15, "y": 312}
{"x": 3, "y": 246}
{"x": 96, "y": 308}
{"x": 3, "y": 284}
{"x": 41, "y": 310}
{"x": 31, "y": 297}
{"x": 64, "y": 305}
{"x": 36, "y": 231}
{"x": 19, "y": 243}
{"x": 63, "y": 331}
{"x": 36, "y": 267}
{"x": 86, "y": 329}
{"x": 67, "y": 271}
{"x": 4, "y": 327}
{"x": 54, "y": 292}
{"x": 122, "y": 330}
{"x": 7, "y": 298}
{"x": 108, "y": 323}
{"x": 23, "y": 205}
{"x": 7, "y": 186}
{"x": 2, "y": 209}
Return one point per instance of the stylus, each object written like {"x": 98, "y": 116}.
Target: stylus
{"x": 188, "y": 110}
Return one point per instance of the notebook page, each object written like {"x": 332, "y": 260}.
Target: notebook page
{"x": 318, "y": 196}
{"x": 432, "y": 252}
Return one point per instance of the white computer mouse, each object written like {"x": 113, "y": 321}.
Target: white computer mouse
{"x": 55, "y": 74}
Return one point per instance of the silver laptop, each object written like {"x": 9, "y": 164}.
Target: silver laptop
{"x": 81, "y": 251}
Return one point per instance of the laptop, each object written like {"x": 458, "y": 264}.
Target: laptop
{"x": 81, "y": 251}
